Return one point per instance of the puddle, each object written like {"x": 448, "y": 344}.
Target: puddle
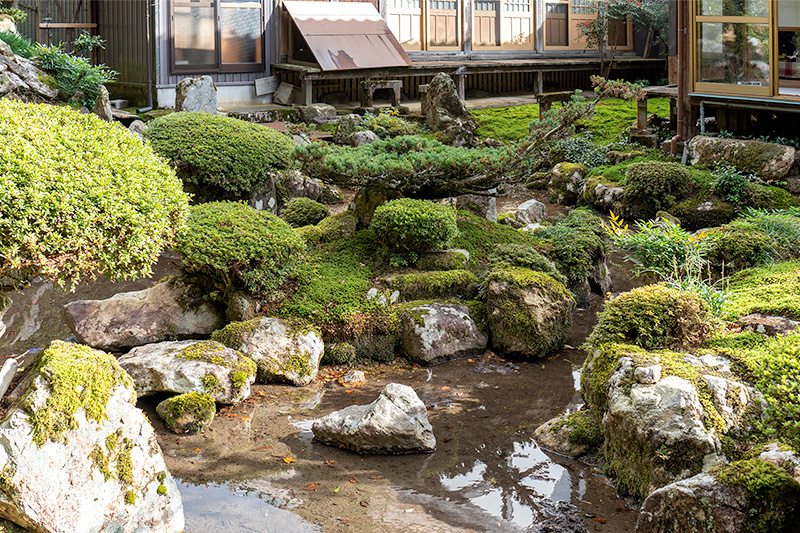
{"x": 235, "y": 509}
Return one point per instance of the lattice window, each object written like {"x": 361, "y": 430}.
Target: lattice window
{"x": 517, "y": 6}
{"x": 484, "y": 5}
{"x": 443, "y": 4}
{"x": 583, "y": 7}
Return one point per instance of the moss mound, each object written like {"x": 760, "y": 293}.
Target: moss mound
{"x": 407, "y": 226}
{"x": 772, "y": 290}
{"x": 436, "y": 284}
{"x": 239, "y": 247}
{"x": 653, "y": 316}
{"x": 304, "y": 212}
{"x": 652, "y": 186}
{"x": 220, "y": 155}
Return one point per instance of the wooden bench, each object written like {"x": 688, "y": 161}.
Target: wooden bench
{"x": 368, "y": 88}
{"x": 545, "y": 100}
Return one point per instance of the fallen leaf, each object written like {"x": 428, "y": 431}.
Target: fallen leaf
{"x": 231, "y": 415}
{"x": 376, "y": 476}
{"x": 363, "y": 504}
{"x": 312, "y": 486}
{"x": 289, "y": 460}
{"x": 336, "y": 490}
{"x": 197, "y": 450}
{"x": 345, "y": 520}
{"x": 245, "y": 418}
{"x": 352, "y": 480}
{"x": 330, "y": 462}
{"x": 447, "y": 440}
{"x": 599, "y": 519}
{"x": 263, "y": 448}
{"x": 445, "y": 388}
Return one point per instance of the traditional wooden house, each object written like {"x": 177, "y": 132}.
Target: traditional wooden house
{"x": 494, "y": 46}
{"x": 738, "y": 64}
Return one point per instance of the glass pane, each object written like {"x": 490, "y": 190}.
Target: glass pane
{"x": 734, "y": 8}
{"x": 240, "y": 34}
{"x": 733, "y": 53}
{"x": 194, "y": 37}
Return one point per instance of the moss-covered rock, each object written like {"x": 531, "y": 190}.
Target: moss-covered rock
{"x": 339, "y": 226}
{"x": 437, "y": 332}
{"x": 574, "y": 434}
{"x": 651, "y": 186}
{"x": 529, "y": 313}
{"x": 565, "y": 182}
{"x": 187, "y": 413}
{"x": 768, "y": 160}
{"x": 367, "y": 200}
{"x": 766, "y": 197}
{"x": 438, "y": 285}
{"x": 602, "y": 194}
{"x": 736, "y": 248}
{"x": 703, "y": 212}
{"x": 338, "y": 353}
{"x": 304, "y": 212}
{"x": 443, "y": 260}
{"x": 771, "y": 290}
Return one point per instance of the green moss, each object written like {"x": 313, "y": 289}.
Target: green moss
{"x": 130, "y": 497}
{"x": 303, "y": 212}
{"x": 211, "y": 384}
{"x": 525, "y": 277}
{"x": 479, "y": 236}
{"x": 79, "y": 378}
{"x": 703, "y": 212}
{"x": 653, "y": 316}
{"x": 651, "y": 186}
{"x": 161, "y": 490}
{"x": 772, "y": 290}
{"x": 205, "y": 351}
{"x": 200, "y": 407}
{"x": 773, "y": 495}
{"x": 584, "y": 429}
{"x": 112, "y": 440}
{"x": 7, "y": 479}
{"x": 337, "y": 353}
{"x": 100, "y": 461}
{"x": 125, "y": 462}
{"x": 338, "y": 226}
{"x": 749, "y": 156}
{"x": 766, "y": 197}
{"x": 233, "y": 334}
{"x": 213, "y": 352}
{"x": 435, "y": 284}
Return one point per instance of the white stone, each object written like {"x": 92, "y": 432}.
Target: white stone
{"x": 437, "y": 332}
{"x": 397, "y": 422}
{"x": 531, "y": 211}
{"x": 196, "y": 94}
{"x": 647, "y": 374}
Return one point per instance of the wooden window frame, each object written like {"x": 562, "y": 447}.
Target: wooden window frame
{"x": 222, "y": 68}
{"x": 573, "y": 37}
{"x": 730, "y": 89}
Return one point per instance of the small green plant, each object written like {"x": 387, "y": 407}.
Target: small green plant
{"x": 239, "y": 247}
{"x": 74, "y": 75}
{"x": 388, "y": 124}
{"x": 304, "y": 212}
{"x": 86, "y": 42}
{"x": 19, "y": 44}
{"x": 406, "y": 227}
{"x": 17, "y": 15}
{"x": 223, "y": 157}
{"x": 731, "y": 183}
{"x": 579, "y": 149}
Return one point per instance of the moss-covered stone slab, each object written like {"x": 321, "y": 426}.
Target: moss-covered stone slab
{"x": 529, "y": 313}
{"x": 191, "y": 366}
{"x": 435, "y": 285}
{"x": 77, "y": 455}
{"x": 437, "y": 332}
{"x": 284, "y": 350}
{"x": 165, "y": 311}
{"x": 768, "y": 160}
{"x": 187, "y": 413}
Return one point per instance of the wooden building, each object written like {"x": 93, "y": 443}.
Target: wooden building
{"x": 495, "y": 46}
{"x": 741, "y": 63}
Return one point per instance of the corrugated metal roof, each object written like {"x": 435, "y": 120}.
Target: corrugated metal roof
{"x": 347, "y": 35}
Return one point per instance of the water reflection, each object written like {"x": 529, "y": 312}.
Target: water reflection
{"x": 233, "y": 509}
{"x": 517, "y": 489}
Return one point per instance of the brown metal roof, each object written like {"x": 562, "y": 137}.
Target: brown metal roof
{"x": 347, "y": 35}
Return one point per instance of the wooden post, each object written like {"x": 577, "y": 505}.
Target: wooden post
{"x": 459, "y": 79}
{"x": 305, "y": 91}
{"x": 539, "y": 82}
{"x": 467, "y": 31}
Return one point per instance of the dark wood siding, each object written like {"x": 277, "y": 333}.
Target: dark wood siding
{"x": 123, "y": 25}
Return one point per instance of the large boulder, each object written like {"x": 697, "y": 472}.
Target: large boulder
{"x": 602, "y": 194}
{"x": 317, "y": 113}
{"x": 565, "y": 183}
{"x": 295, "y": 184}
{"x": 397, "y": 422}
{"x": 438, "y": 332}
{"x": 483, "y": 206}
{"x": 758, "y": 494}
{"x": 367, "y": 200}
{"x": 768, "y": 160}
{"x": 166, "y": 311}
{"x": 531, "y": 211}
{"x": 102, "y": 106}
{"x": 658, "y": 428}
{"x": 196, "y": 94}
{"x": 445, "y": 112}
{"x": 21, "y": 78}
{"x": 76, "y": 455}
{"x": 529, "y": 313}
{"x": 283, "y": 350}
{"x": 190, "y": 366}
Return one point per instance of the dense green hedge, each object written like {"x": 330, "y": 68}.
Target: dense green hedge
{"x": 79, "y": 196}
{"x": 239, "y": 246}
{"x": 222, "y": 156}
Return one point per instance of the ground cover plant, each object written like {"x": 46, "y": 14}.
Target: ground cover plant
{"x": 220, "y": 157}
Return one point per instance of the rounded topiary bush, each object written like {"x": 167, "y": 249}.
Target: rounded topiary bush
{"x": 219, "y": 155}
{"x": 653, "y": 316}
{"x": 239, "y": 246}
{"x": 651, "y": 186}
{"x": 409, "y": 226}
{"x": 301, "y": 212}
{"x": 80, "y": 196}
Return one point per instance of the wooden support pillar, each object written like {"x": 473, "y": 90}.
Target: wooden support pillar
{"x": 459, "y": 79}
{"x": 305, "y": 91}
{"x": 539, "y": 82}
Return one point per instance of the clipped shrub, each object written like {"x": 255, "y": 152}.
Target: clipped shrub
{"x": 407, "y": 226}
{"x": 239, "y": 246}
{"x": 221, "y": 156}
{"x": 339, "y": 353}
{"x": 521, "y": 255}
{"x": 74, "y": 75}
{"x": 653, "y": 316}
{"x": 652, "y": 186}
{"x": 80, "y": 197}
{"x": 736, "y": 248}
{"x": 304, "y": 212}
{"x": 771, "y": 290}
